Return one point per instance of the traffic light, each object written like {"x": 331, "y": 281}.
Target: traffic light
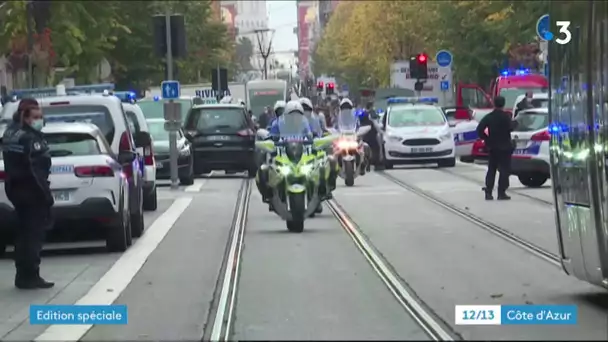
{"x": 330, "y": 89}
{"x": 414, "y": 73}
{"x": 421, "y": 60}
{"x": 320, "y": 86}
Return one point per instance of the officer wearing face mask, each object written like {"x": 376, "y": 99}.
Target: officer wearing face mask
{"x": 27, "y": 165}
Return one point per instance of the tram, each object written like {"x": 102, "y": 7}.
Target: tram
{"x": 578, "y": 77}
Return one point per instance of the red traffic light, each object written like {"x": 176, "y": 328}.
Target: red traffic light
{"x": 422, "y": 58}
{"x": 320, "y": 84}
{"x": 330, "y": 85}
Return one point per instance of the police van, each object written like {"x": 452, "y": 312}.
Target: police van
{"x": 93, "y": 104}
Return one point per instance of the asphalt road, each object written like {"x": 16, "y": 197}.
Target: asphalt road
{"x": 318, "y": 285}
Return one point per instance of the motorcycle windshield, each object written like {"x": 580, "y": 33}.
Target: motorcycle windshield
{"x": 293, "y": 127}
{"x": 347, "y": 122}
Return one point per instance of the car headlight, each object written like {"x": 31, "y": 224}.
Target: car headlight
{"x": 446, "y": 136}
{"x": 394, "y": 138}
{"x": 184, "y": 153}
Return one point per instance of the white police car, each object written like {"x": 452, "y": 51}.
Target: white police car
{"x": 530, "y": 161}
{"x": 87, "y": 181}
{"x": 416, "y": 131}
{"x": 145, "y": 147}
{"x": 86, "y": 104}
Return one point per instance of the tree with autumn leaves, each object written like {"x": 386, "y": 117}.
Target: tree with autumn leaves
{"x": 77, "y": 35}
{"x": 363, "y": 38}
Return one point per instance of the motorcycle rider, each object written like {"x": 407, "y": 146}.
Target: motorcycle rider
{"x": 313, "y": 119}
{"x": 279, "y": 108}
{"x": 373, "y": 138}
{"x": 292, "y": 107}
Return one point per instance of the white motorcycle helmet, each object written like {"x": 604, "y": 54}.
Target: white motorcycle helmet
{"x": 306, "y": 103}
{"x": 346, "y": 102}
{"x": 279, "y": 104}
{"x": 293, "y": 107}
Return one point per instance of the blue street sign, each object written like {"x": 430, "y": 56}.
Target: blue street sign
{"x": 345, "y": 87}
{"x": 445, "y": 85}
{"x": 444, "y": 58}
{"x": 170, "y": 89}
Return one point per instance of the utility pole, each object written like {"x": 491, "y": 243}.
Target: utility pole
{"x": 173, "y": 153}
{"x": 264, "y": 50}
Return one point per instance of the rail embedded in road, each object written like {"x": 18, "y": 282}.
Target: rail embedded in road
{"x": 226, "y": 291}
{"x": 488, "y": 226}
{"x": 428, "y": 322}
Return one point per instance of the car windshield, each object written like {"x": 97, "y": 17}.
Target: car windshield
{"x": 415, "y": 116}
{"x": 260, "y": 98}
{"x": 97, "y": 115}
{"x": 157, "y": 131}
{"x": 511, "y": 94}
{"x": 155, "y": 109}
{"x": 529, "y": 121}
{"x": 72, "y": 144}
{"x": 206, "y": 119}
{"x": 540, "y": 103}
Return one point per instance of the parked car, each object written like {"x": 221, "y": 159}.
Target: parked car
{"x": 185, "y": 161}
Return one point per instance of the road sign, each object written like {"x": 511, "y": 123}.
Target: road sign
{"x": 444, "y": 58}
{"x": 173, "y": 111}
{"x": 170, "y": 90}
{"x": 445, "y": 85}
{"x": 344, "y": 87}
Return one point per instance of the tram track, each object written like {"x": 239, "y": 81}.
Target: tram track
{"x": 504, "y": 234}
{"x": 431, "y": 324}
{"x": 518, "y": 193}
{"x": 220, "y": 319}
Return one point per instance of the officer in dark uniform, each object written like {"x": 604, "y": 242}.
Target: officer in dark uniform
{"x": 27, "y": 165}
{"x": 373, "y": 138}
{"x": 500, "y": 147}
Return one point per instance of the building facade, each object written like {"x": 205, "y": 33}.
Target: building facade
{"x": 308, "y": 32}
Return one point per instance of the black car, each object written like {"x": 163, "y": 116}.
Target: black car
{"x": 185, "y": 161}
{"x": 223, "y": 138}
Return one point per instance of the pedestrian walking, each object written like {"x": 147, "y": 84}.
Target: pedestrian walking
{"x": 495, "y": 129}
{"x": 27, "y": 165}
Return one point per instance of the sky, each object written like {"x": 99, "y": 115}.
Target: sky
{"x": 283, "y": 17}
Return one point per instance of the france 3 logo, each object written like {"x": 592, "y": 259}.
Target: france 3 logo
{"x": 543, "y": 30}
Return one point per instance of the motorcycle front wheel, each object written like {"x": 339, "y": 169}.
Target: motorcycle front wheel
{"x": 349, "y": 173}
{"x": 297, "y": 206}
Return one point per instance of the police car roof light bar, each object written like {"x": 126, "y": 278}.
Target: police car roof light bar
{"x": 52, "y": 91}
{"x": 126, "y": 96}
{"x": 412, "y": 100}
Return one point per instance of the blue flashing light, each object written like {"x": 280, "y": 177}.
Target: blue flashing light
{"x": 52, "y": 91}
{"x": 412, "y": 100}
{"x": 380, "y": 111}
{"x": 156, "y": 98}
{"x": 126, "y": 96}
{"x": 518, "y": 72}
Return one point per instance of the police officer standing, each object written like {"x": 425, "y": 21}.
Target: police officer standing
{"x": 27, "y": 165}
{"x": 500, "y": 147}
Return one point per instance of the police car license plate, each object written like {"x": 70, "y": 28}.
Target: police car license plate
{"x": 61, "y": 196}
{"x": 219, "y": 137}
{"x": 422, "y": 149}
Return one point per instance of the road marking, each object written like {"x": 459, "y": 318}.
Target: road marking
{"x": 118, "y": 277}
{"x": 198, "y": 184}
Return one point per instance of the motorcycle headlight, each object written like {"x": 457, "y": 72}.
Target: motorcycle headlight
{"x": 285, "y": 170}
{"x": 394, "y": 138}
{"x": 446, "y": 136}
{"x": 306, "y": 169}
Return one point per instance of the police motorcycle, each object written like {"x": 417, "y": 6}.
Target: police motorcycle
{"x": 350, "y": 151}
{"x": 295, "y": 179}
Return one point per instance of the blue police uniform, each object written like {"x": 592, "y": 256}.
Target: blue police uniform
{"x": 27, "y": 164}
{"x": 275, "y": 132}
